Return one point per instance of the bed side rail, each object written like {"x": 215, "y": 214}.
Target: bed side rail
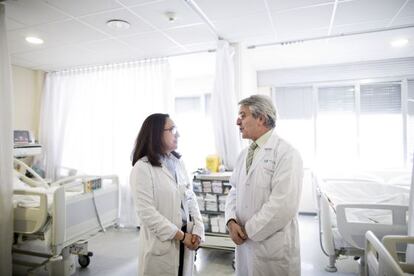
{"x": 391, "y": 243}
{"x": 36, "y": 181}
{"x": 30, "y": 220}
{"x": 378, "y": 260}
{"x": 68, "y": 182}
{"x": 325, "y": 224}
{"x": 354, "y": 232}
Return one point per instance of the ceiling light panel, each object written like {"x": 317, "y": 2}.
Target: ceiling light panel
{"x": 364, "y": 11}
{"x": 32, "y": 12}
{"x": 276, "y": 6}
{"x": 230, "y": 8}
{"x": 192, "y": 34}
{"x": 295, "y": 20}
{"x": 408, "y": 10}
{"x": 254, "y": 25}
{"x": 80, "y": 8}
{"x": 70, "y": 31}
{"x": 12, "y": 25}
{"x": 151, "y": 42}
{"x": 359, "y": 27}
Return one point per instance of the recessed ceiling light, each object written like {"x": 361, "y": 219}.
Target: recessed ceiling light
{"x": 399, "y": 42}
{"x": 118, "y": 24}
{"x": 34, "y": 40}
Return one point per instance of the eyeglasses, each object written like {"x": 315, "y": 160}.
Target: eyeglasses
{"x": 172, "y": 129}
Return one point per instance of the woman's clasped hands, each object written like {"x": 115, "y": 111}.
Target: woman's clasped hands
{"x": 191, "y": 241}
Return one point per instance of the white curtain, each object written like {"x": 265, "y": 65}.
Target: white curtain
{"x": 6, "y": 152}
{"x": 410, "y": 249}
{"x": 224, "y": 106}
{"x": 91, "y": 117}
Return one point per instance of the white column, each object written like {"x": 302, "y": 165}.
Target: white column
{"x": 410, "y": 249}
{"x": 6, "y": 152}
{"x": 245, "y": 74}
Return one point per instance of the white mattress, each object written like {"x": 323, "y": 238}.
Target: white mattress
{"x": 28, "y": 201}
{"x": 341, "y": 191}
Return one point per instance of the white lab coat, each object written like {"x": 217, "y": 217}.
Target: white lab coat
{"x": 266, "y": 202}
{"x": 158, "y": 196}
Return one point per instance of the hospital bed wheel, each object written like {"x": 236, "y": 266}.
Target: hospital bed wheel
{"x": 84, "y": 260}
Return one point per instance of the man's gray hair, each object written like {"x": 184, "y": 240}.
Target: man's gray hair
{"x": 261, "y": 105}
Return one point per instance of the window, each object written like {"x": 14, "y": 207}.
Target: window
{"x": 336, "y": 126}
{"x": 346, "y": 125}
{"x": 295, "y": 122}
{"x": 192, "y": 90}
{"x": 195, "y": 128}
{"x": 381, "y": 125}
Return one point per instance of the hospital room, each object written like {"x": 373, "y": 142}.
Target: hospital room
{"x": 207, "y": 137}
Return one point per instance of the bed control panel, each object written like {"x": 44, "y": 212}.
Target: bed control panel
{"x": 91, "y": 184}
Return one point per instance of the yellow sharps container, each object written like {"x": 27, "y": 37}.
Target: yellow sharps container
{"x": 213, "y": 163}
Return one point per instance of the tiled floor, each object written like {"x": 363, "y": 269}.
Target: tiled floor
{"x": 115, "y": 253}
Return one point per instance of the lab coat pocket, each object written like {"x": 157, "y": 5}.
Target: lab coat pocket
{"x": 273, "y": 248}
{"x": 265, "y": 173}
{"x": 269, "y": 166}
{"x": 160, "y": 248}
{"x": 264, "y": 178}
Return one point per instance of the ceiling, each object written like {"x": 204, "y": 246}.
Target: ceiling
{"x": 75, "y": 32}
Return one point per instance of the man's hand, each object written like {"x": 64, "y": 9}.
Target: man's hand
{"x": 237, "y": 233}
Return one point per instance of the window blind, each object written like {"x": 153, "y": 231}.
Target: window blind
{"x": 336, "y": 99}
{"x": 293, "y": 102}
{"x": 382, "y": 98}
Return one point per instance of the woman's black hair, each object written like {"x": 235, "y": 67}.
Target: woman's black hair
{"x": 149, "y": 140}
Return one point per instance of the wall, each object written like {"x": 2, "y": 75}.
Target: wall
{"x": 245, "y": 75}
{"x": 338, "y": 72}
{"x": 27, "y": 91}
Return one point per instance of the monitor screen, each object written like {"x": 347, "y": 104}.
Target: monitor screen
{"x": 21, "y": 137}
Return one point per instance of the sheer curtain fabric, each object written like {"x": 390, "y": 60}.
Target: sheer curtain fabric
{"x": 410, "y": 249}
{"x": 224, "y": 106}
{"x": 6, "y": 152}
{"x": 90, "y": 118}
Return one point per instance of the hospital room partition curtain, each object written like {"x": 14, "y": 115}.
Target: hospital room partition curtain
{"x": 410, "y": 249}
{"x": 224, "y": 106}
{"x": 6, "y": 152}
{"x": 90, "y": 118}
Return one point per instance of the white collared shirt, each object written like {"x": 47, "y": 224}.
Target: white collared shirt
{"x": 171, "y": 162}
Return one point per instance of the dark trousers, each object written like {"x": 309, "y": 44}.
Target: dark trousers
{"x": 181, "y": 265}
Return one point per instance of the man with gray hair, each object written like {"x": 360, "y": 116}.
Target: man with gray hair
{"x": 262, "y": 205}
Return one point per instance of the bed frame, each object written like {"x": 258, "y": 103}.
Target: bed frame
{"x": 384, "y": 258}
{"x": 340, "y": 236}
{"x": 70, "y": 221}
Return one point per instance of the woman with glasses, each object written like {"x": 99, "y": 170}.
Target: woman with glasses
{"x": 171, "y": 224}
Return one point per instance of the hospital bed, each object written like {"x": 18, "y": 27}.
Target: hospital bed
{"x": 349, "y": 205}
{"x": 65, "y": 214}
{"x": 387, "y": 257}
